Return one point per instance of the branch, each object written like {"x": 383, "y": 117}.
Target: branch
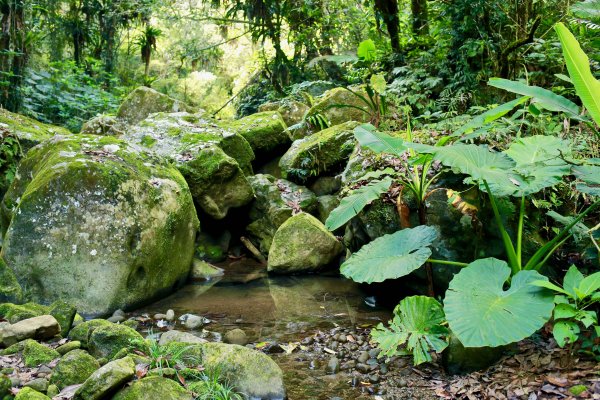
{"x": 503, "y": 59}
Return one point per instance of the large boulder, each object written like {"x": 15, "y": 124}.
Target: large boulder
{"x": 103, "y": 382}
{"x": 73, "y": 368}
{"x": 104, "y": 125}
{"x": 40, "y": 328}
{"x": 29, "y": 131}
{"x": 143, "y": 101}
{"x": 276, "y": 200}
{"x": 213, "y": 160}
{"x": 302, "y": 244}
{"x": 265, "y": 131}
{"x": 94, "y": 221}
{"x": 82, "y": 332}
{"x": 17, "y": 312}
{"x": 106, "y": 341}
{"x": 10, "y": 290}
{"x": 291, "y": 111}
{"x": 324, "y": 152}
{"x": 154, "y": 388}
{"x": 327, "y": 106}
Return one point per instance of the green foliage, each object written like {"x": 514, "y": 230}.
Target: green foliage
{"x": 210, "y": 385}
{"x": 10, "y": 154}
{"x": 351, "y": 205}
{"x": 417, "y": 325}
{"x": 367, "y": 51}
{"x": 162, "y": 357}
{"x": 391, "y": 256}
{"x": 572, "y": 312}
{"x": 481, "y": 313}
{"x": 67, "y": 95}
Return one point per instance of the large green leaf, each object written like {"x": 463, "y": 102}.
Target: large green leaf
{"x": 578, "y": 64}
{"x": 369, "y": 137}
{"x": 367, "y": 51}
{"x": 571, "y": 281}
{"x": 481, "y": 313}
{"x": 417, "y": 323}
{"x": 490, "y": 116}
{"x": 590, "y": 175}
{"x": 547, "y": 99}
{"x": 353, "y": 204}
{"x": 589, "y": 285}
{"x": 391, "y": 256}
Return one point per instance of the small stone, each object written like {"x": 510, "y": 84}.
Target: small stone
{"x": 363, "y": 357}
{"x": 44, "y": 369}
{"x": 363, "y": 368}
{"x": 170, "y": 315}
{"x": 115, "y": 319}
{"x": 373, "y": 353}
{"x": 194, "y": 322}
{"x": 118, "y": 313}
{"x": 307, "y": 341}
{"x": 15, "y": 381}
{"x": 373, "y": 378}
{"x": 160, "y": 316}
{"x": 178, "y": 336}
{"x": 333, "y": 366}
{"x": 372, "y": 361}
{"x": 67, "y": 347}
{"x": 236, "y": 336}
{"x": 38, "y": 384}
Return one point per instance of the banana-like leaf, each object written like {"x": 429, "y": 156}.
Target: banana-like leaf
{"x": 417, "y": 323}
{"x": 391, "y": 256}
{"x": 481, "y": 313}
{"x": 490, "y": 116}
{"x": 369, "y": 137}
{"x": 547, "y": 99}
{"x": 351, "y": 205}
{"x": 578, "y": 64}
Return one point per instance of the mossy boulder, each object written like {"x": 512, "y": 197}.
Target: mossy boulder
{"x": 35, "y": 353}
{"x": 64, "y": 314}
{"x": 324, "y": 152}
{"x": 265, "y": 131}
{"x": 154, "y": 388}
{"x": 94, "y": 221}
{"x": 104, "y": 125}
{"x": 326, "y": 204}
{"x": 143, "y": 101}
{"x": 17, "y": 312}
{"x": 27, "y": 393}
{"x": 83, "y": 331}
{"x": 249, "y": 371}
{"x": 276, "y": 200}
{"x": 291, "y": 111}
{"x": 339, "y": 115}
{"x": 377, "y": 219}
{"x": 201, "y": 270}
{"x": 302, "y": 244}
{"x": 73, "y": 368}
{"x": 107, "y": 341}
{"x": 29, "y": 131}
{"x": 5, "y": 385}
{"x": 106, "y": 380}
{"x": 10, "y": 290}
{"x": 69, "y": 346}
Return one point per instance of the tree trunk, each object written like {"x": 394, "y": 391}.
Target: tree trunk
{"x": 13, "y": 54}
{"x": 420, "y": 17}
{"x": 388, "y": 10}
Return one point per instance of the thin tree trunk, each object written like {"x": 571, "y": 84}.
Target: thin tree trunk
{"x": 420, "y": 17}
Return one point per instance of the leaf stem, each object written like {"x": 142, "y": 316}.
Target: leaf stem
{"x": 446, "y": 262}
{"x": 520, "y": 231}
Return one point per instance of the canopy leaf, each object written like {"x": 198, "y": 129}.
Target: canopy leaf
{"x": 391, "y": 256}
{"x": 417, "y": 323}
{"x": 481, "y": 313}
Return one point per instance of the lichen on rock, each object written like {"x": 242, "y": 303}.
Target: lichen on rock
{"x": 143, "y": 101}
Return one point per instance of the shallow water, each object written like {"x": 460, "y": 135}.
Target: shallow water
{"x": 281, "y": 309}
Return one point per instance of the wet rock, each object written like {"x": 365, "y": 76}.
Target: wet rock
{"x": 194, "y": 321}
{"x": 40, "y": 328}
{"x": 30, "y": 394}
{"x": 333, "y": 365}
{"x": 236, "y": 336}
{"x": 302, "y": 244}
{"x": 265, "y": 131}
{"x": 35, "y": 353}
{"x": 323, "y": 152}
{"x": 38, "y": 384}
{"x": 106, "y": 379}
{"x": 178, "y": 336}
{"x": 201, "y": 270}
{"x": 74, "y": 368}
{"x": 107, "y": 341}
{"x": 170, "y": 315}
{"x": 137, "y": 211}
{"x": 143, "y": 101}
{"x": 154, "y": 388}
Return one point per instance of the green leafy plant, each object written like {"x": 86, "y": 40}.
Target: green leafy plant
{"x": 210, "y": 385}
{"x": 417, "y": 328}
{"x": 10, "y": 153}
{"x": 573, "y": 302}
{"x": 162, "y": 357}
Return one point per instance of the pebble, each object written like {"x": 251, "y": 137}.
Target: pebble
{"x": 363, "y": 357}
{"x": 119, "y": 313}
{"x": 236, "y": 336}
{"x": 372, "y": 361}
{"x": 44, "y": 369}
{"x": 160, "y": 316}
{"x": 374, "y": 353}
{"x": 194, "y": 322}
{"x": 170, "y": 315}
{"x": 373, "y": 378}
{"x": 333, "y": 366}
{"x": 363, "y": 368}
{"x": 115, "y": 319}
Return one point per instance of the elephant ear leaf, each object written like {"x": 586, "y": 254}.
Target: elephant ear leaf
{"x": 578, "y": 64}
{"x": 391, "y": 256}
{"x": 481, "y": 313}
{"x": 379, "y": 142}
{"x": 351, "y": 205}
{"x": 590, "y": 177}
{"x": 417, "y": 324}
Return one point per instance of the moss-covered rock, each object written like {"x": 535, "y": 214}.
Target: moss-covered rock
{"x": 264, "y": 131}
{"x": 64, "y": 314}
{"x": 73, "y": 368}
{"x": 41, "y": 328}
{"x": 339, "y": 115}
{"x": 291, "y": 111}
{"x": 302, "y": 244}
{"x": 17, "y": 312}
{"x": 201, "y": 270}
{"x": 106, "y": 380}
{"x": 143, "y": 101}
{"x": 30, "y": 394}
{"x": 69, "y": 346}
{"x": 10, "y": 290}
{"x": 107, "y": 341}
{"x": 276, "y": 200}
{"x": 104, "y": 125}
{"x": 5, "y": 385}
{"x": 325, "y": 151}
{"x": 326, "y": 204}
{"x": 35, "y": 353}
{"x": 83, "y": 331}
{"x": 29, "y": 131}
{"x": 94, "y": 221}
{"x": 154, "y": 388}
